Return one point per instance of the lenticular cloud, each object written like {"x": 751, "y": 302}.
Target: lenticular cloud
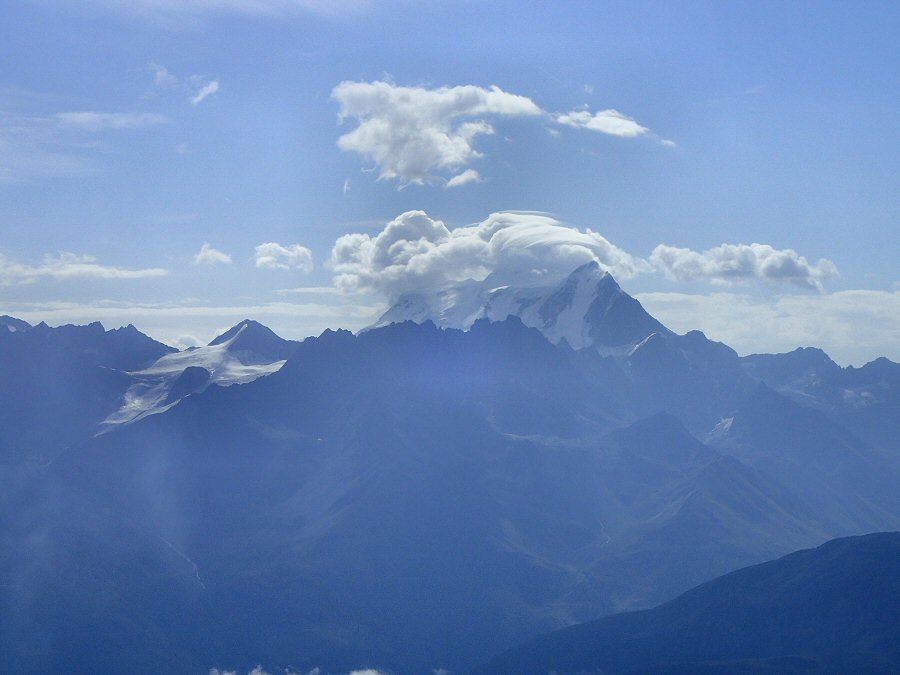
{"x": 417, "y": 252}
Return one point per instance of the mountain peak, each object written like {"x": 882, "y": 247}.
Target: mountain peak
{"x": 587, "y": 308}
{"x": 252, "y": 337}
{"x": 10, "y": 324}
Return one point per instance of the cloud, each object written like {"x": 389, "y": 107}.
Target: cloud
{"x": 609, "y": 121}
{"x": 162, "y": 77}
{"x": 40, "y": 144}
{"x": 411, "y": 132}
{"x": 419, "y": 135}
{"x": 740, "y": 262}
{"x": 205, "y": 91}
{"x": 417, "y": 252}
{"x": 64, "y": 266}
{"x": 100, "y": 121}
{"x": 467, "y": 176}
{"x": 211, "y": 256}
{"x": 276, "y": 256}
{"x": 853, "y": 326}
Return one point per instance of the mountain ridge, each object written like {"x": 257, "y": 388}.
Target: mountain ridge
{"x": 832, "y": 609}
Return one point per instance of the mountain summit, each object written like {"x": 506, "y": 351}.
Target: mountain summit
{"x": 587, "y": 308}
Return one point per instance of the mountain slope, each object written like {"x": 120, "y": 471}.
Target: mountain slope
{"x": 57, "y": 384}
{"x": 588, "y": 308}
{"x": 411, "y": 497}
{"x": 850, "y": 486}
{"x": 242, "y": 354}
{"x": 833, "y": 609}
{"x": 865, "y": 400}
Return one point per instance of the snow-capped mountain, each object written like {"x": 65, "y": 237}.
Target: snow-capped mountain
{"x": 480, "y": 485}
{"x": 587, "y": 308}
{"x": 242, "y": 354}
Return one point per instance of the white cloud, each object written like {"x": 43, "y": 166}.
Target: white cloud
{"x": 740, "y": 262}
{"x": 89, "y": 120}
{"x": 46, "y": 145}
{"x": 410, "y": 132}
{"x": 605, "y": 121}
{"x": 417, "y": 252}
{"x": 211, "y": 256}
{"x": 162, "y": 77}
{"x": 276, "y": 256}
{"x": 204, "y": 91}
{"x": 65, "y": 266}
{"x": 467, "y": 176}
{"x": 853, "y": 326}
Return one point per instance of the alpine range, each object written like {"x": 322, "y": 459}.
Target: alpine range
{"x": 396, "y": 337}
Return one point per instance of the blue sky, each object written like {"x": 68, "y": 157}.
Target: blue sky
{"x": 133, "y": 134}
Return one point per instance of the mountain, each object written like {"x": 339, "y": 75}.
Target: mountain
{"x": 865, "y": 400}
{"x": 254, "y": 343}
{"x": 837, "y": 474}
{"x": 587, "y": 308}
{"x": 411, "y": 497}
{"x": 414, "y": 497}
{"x": 834, "y": 609}
{"x": 57, "y": 384}
{"x": 689, "y": 375}
{"x": 13, "y": 325}
{"x": 243, "y": 353}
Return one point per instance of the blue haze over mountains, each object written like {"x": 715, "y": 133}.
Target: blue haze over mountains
{"x": 473, "y": 471}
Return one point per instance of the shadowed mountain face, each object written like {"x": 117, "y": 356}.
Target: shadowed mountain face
{"x": 834, "y": 609}
{"x": 58, "y": 384}
{"x": 409, "y": 498}
{"x": 866, "y": 400}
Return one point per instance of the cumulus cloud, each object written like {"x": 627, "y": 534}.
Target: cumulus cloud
{"x": 275, "y": 256}
{"x": 205, "y": 90}
{"x": 417, "y": 252}
{"x": 419, "y": 135}
{"x": 89, "y": 120}
{"x": 609, "y": 121}
{"x": 64, "y": 266}
{"x": 467, "y": 176}
{"x": 211, "y": 256}
{"x": 741, "y": 262}
{"x": 409, "y": 132}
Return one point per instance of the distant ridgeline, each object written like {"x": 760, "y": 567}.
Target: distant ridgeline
{"x": 483, "y": 466}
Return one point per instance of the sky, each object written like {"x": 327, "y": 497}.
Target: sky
{"x": 185, "y": 164}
